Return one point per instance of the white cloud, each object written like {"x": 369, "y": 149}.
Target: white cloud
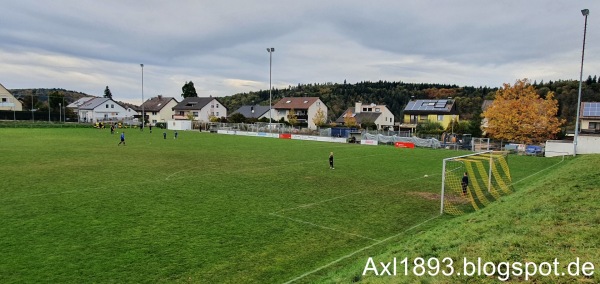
{"x": 220, "y": 45}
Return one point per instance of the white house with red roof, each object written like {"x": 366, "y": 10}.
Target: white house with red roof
{"x": 305, "y": 109}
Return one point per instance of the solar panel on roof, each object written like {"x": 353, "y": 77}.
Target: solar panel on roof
{"x": 441, "y": 103}
{"x": 591, "y": 109}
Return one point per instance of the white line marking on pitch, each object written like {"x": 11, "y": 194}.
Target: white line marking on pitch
{"x": 360, "y": 250}
{"x": 323, "y": 227}
{"x": 537, "y": 172}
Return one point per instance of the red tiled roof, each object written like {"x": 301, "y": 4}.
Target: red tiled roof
{"x": 295, "y": 103}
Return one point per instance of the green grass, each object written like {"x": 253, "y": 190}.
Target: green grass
{"x": 75, "y": 207}
{"x": 554, "y": 217}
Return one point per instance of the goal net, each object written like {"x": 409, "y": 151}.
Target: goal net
{"x": 471, "y": 182}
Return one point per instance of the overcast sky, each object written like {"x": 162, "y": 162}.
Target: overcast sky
{"x": 86, "y": 45}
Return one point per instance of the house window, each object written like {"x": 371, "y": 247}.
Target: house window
{"x": 594, "y": 125}
{"x": 378, "y": 110}
{"x": 217, "y": 113}
{"x": 154, "y": 121}
{"x": 217, "y": 105}
{"x": 441, "y": 117}
{"x": 423, "y": 117}
{"x": 112, "y": 106}
{"x": 3, "y": 100}
{"x": 195, "y": 114}
{"x": 106, "y": 105}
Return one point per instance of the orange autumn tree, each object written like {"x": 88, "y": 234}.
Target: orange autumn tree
{"x": 519, "y": 114}
{"x": 350, "y": 120}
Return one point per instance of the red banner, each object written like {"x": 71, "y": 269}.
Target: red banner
{"x": 285, "y": 136}
{"x": 404, "y": 145}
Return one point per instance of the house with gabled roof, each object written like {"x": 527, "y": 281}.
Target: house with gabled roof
{"x": 305, "y": 109}
{"x": 8, "y": 101}
{"x": 202, "y": 109}
{"x": 380, "y": 115}
{"x": 253, "y": 111}
{"x": 101, "y": 109}
{"x": 159, "y": 109}
{"x": 420, "y": 111}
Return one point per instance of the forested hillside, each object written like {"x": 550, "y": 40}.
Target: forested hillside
{"x": 338, "y": 97}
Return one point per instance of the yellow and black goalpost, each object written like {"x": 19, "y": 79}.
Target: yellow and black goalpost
{"x": 487, "y": 179}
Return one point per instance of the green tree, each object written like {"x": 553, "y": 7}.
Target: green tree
{"x": 107, "y": 93}
{"x": 30, "y": 102}
{"x": 54, "y": 99}
{"x": 237, "y": 118}
{"x": 188, "y": 90}
{"x": 368, "y": 124}
{"x": 430, "y": 127}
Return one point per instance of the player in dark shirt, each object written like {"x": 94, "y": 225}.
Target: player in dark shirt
{"x": 331, "y": 161}
{"x": 465, "y": 183}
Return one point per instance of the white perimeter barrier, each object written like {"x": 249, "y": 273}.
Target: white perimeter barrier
{"x": 284, "y": 136}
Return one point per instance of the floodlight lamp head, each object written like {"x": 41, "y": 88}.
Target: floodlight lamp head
{"x": 585, "y": 12}
{"x": 142, "y": 65}
{"x": 270, "y": 49}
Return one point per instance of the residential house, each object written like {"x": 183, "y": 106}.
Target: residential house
{"x": 102, "y": 109}
{"x": 420, "y": 111}
{"x": 201, "y": 109}
{"x": 380, "y": 115}
{"x": 305, "y": 109}
{"x": 253, "y": 111}
{"x": 159, "y": 109}
{"x": 589, "y": 116}
{"x": 8, "y": 101}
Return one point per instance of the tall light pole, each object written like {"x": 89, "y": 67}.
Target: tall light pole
{"x": 143, "y": 114}
{"x": 585, "y": 13}
{"x": 48, "y": 107}
{"x": 270, "y": 50}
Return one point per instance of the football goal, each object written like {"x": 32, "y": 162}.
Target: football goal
{"x": 470, "y": 182}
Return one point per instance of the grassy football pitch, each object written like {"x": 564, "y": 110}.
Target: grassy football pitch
{"x": 75, "y": 207}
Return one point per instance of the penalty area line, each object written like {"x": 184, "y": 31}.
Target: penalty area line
{"x": 359, "y": 250}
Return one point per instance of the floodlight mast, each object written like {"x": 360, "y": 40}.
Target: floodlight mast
{"x": 585, "y": 13}
{"x": 270, "y": 50}
{"x": 143, "y": 115}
